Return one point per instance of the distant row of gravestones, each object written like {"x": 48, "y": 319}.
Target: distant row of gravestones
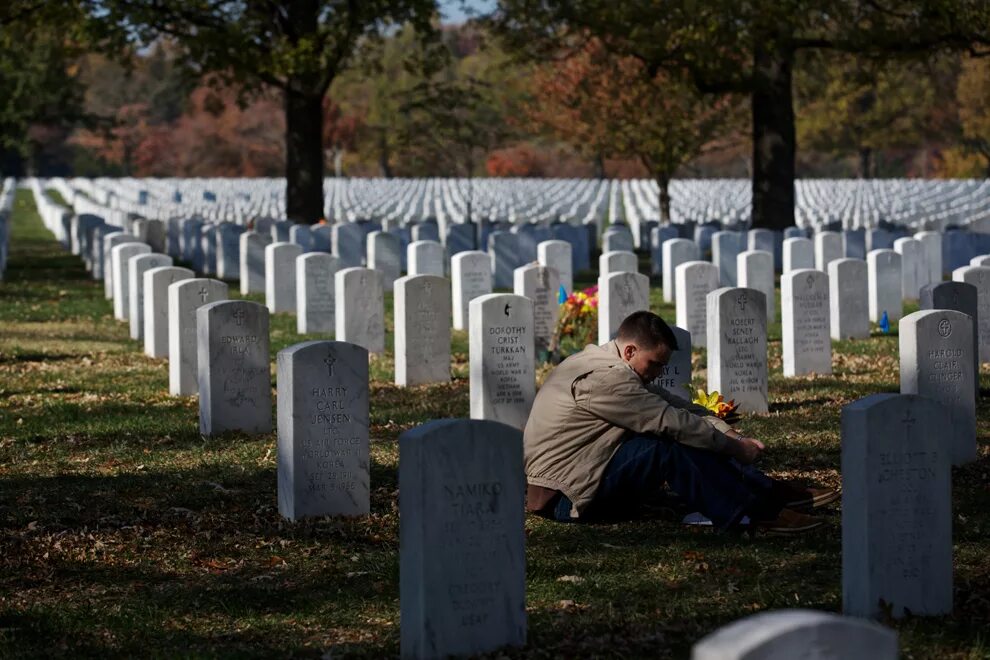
{"x": 321, "y": 409}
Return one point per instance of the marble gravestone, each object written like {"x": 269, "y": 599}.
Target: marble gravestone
{"x": 503, "y": 249}
{"x": 931, "y": 255}
{"x": 755, "y": 269}
{"x": 761, "y": 239}
{"x": 229, "y": 251}
{"x": 315, "y": 292}
{"x": 302, "y": 236}
{"x": 235, "y": 389}
{"x": 979, "y": 277}
{"x": 502, "y": 361}
{"x": 208, "y": 240}
{"x": 737, "y": 347}
{"x": 694, "y": 280}
{"x": 617, "y": 262}
{"x": 558, "y": 255}
{"x": 911, "y": 267}
{"x": 422, "y": 330}
{"x": 120, "y": 257}
{"x": 798, "y": 635}
{"x": 385, "y": 255}
{"x": 110, "y": 241}
{"x": 884, "y": 285}
{"x": 659, "y": 236}
{"x": 252, "y": 261}
{"x": 280, "y": 277}
{"x": 184, "y": 298}
{"x": 425, "y": 258}
{"x": 799, "y": 253}
{"x": 726, "y": 246}
{"x": 471, "y": 277}
{"x": 617, "y": 239}
{"x": 136, "y": 268}
{"x": 349, "y": 244}
{"x": 961, "y": 297}
{"x": 619, "y": 295}
{"x": 156, "y": 283}
{"x": 675, "y": 377}
{"x": 936, "y": 351}
{"x": 896, "y": 507}
{"x": 359, "y": 308}
{"x": 676, "y": 251}
{"x": 323, "y": 420}
{"x": 805, "y": 322}
{"x": 462, "y": 554}
{"x": 828, "y": 247}
{"x": 539, "y": 284}
{"x": 849, "y": 300}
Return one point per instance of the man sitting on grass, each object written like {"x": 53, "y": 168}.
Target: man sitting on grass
{"x": 601, "y": 441}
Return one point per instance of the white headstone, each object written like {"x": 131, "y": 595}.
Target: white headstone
{"x": 828, "y": 247}
{"x": 979, "y": 276}
{"x": 694, "y": 280}
{"x": 252, "y": 254}
{"x": 360, "y": 308}
{"x": 896, "y": 507}
{"x": 184, "y": 298}
{"x": 737, "y": 347}
{"x": 798, "y": 635}
{"x": 799, "y": 253}
{"x": 323, "y": 420}
{"x": 755, "y": 269}
{"x": 422, "y": 330}
{"x": 936, "y": 351}
{"x": 235, "y": 385}
{"x": 471, "y": 277}
{"x": 539, "y": 284}
{"x": 619, "y": 295}
{"x": 911, "y": 267}
{"x": 280, "y": 277}
{"x": 502, "y": 371}
{"x": 156, "y": 283}
{"x": 462, "y": 554}
{"x": 617, "y": 262}
{"x": 559, "y": 256}
{"x": 385, "y": 255}
{"x": 120, "y": 256}
{"x": 805, "y": 325}
{"x": 883, "y": 270}
{"x": 849, "y": 299}
{"x": 136, "y": 268}
{"x": 931, "y": 255}
{"x": 315, "y": 292}
{"x": 425, "y": 258}
{"x": 675, "y": 377}
{"x": 675, "y": 252}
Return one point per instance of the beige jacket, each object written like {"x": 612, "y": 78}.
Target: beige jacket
{"x": 587, "y": 405}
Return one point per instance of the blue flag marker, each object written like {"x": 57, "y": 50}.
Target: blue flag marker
{"x": 885, "y": 323}
{"x": 561, "y": 295}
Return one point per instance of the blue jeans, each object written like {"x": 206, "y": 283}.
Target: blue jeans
{"x": 718, "y": 486}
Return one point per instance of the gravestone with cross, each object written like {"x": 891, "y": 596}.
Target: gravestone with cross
{"x": 184, "y": 298}
{"x": 805, "y": 322}
{"x": 540, "y": 284}
{"x": 737, "y": 347}
{"x": 693, "y": 281}
{"x": 896, "y": 507}
{"x": 233, "y": 368}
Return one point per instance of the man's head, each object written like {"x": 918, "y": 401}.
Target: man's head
{"x": 646, "y": 343}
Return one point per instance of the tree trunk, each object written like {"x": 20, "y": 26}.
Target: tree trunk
{"x": 383, "y": 154}
{"x": 303, "y": 154}
{"x": 774, "y": 141}
{"x": 599, "y": 166}
{"x": 663, "y": 197}
{"x": 865, "y": 163}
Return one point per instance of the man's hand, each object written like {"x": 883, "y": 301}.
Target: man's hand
{"x": 745, "y": 450}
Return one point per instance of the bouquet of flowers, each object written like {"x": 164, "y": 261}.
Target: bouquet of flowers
{"x": 577, "y": 323}
{"x": 717, "y": 404}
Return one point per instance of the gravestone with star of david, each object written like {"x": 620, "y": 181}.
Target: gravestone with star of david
{"x": 233, "y": 368}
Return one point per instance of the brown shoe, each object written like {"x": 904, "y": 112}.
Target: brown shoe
{"x": 789, "y": 523}
{"x": 795, "y": 496}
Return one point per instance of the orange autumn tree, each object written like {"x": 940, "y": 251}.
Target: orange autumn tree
{"x": 610, "y": 106}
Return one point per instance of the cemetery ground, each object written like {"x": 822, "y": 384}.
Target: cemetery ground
{"x": 124, "y": 532}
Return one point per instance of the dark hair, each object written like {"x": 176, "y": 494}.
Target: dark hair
{"x": 646, "y": 330}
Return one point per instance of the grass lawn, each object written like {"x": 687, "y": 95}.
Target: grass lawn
{"x": 123, "y": 532}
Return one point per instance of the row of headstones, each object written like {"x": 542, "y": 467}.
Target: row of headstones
{"x": 7, "y": 192}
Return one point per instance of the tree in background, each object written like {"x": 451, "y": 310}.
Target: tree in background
{"x": 295, "y": 46}
{"x": 607, "y": 105}
{"x": 748, "y": 48}
{"x": 973, "y": 94}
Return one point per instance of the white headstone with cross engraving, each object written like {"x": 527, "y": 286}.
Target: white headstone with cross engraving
{"x": 184, "y": 298}
{"x": 737, "y": 347}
